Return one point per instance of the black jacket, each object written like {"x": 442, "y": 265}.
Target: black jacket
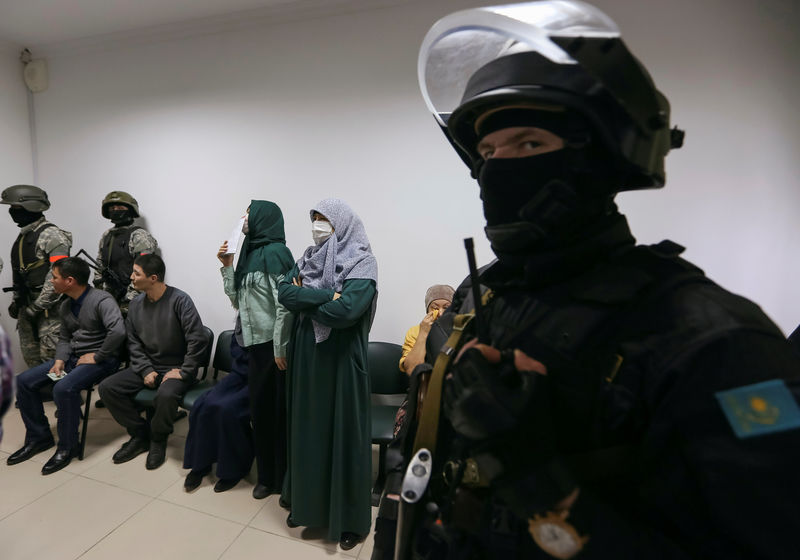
{"x": 639, "y": 345}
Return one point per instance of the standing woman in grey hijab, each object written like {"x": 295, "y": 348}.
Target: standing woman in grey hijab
{"x": 333, "y": 291}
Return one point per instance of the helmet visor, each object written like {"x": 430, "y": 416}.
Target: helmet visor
{"x": 461, "y": 43}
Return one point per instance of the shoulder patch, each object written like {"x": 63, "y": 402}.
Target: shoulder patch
{"x": 759, "y": 409}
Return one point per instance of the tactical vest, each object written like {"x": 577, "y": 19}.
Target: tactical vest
{"x": 598, "y": 334}
{"x": 29, "y": 271}
{"x": 116, "y": 254}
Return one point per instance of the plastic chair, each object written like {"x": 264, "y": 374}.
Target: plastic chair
{"x": 222, "y": 362}
{"x": 146, "y": 397}
{"x": 386, "y": 379}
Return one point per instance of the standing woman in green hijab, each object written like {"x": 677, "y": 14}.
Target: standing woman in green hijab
{"x": 260, "y": 341}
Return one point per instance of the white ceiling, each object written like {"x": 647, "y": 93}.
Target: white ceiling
{"x": 49, "y": 23}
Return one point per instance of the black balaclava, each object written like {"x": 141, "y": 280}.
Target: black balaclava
{"x": 121, "y": 218}
{"x": 545, "y": 201}
{"x": 23, "y": 217}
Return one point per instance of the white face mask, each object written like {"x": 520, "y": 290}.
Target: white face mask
{"x": 321, "y": 231}
{"x": 246, "y": 225}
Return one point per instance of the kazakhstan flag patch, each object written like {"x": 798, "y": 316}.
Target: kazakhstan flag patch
{"x": 759, "y": 409}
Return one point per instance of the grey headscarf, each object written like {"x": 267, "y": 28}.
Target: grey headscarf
{"x": 346, "y": 255}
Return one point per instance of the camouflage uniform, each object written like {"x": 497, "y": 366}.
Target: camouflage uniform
{"x": 38, "y": 335}
{"x": 139, "y": 242}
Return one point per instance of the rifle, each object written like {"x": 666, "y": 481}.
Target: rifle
{"x": 110, "y": 277}
{"x": 20, "y": 295}
{"x": 419, "y": 470}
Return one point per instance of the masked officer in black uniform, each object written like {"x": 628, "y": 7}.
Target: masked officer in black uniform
{"x": 619, "y": 404}
{"x": 120, "y": 245}
{"x": 39, "y": 244}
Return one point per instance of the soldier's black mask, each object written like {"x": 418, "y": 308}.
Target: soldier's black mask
{"x": 538, "y": 201}
{"x": 23, "y": 217}
{"x": 120, "y": 217}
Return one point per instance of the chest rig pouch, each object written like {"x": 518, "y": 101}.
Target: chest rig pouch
{"x": 117, "y": 257}
{"x": 29, "y": 271}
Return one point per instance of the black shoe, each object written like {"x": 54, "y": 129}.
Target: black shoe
{"x": 29, "y": 450}
{"x": 194, "y": 478}
{"x": 284, "y": 504}
{"x": 58, "y": 461}
{"x": 290, "y": 522}
{"x": 157, "y": 455}
{"x": 225, "y": 484}
{"x": 349, "y": 540}
{"x": 261, "y": 491}
{"x": 130, "y": 449}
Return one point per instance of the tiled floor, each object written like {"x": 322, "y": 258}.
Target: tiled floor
{"x": 95, "y": 510}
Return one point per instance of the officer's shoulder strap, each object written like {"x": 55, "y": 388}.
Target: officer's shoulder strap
{"x": 38, "y": 229}
{"x": 429, "y": 420}
{"x": 43, "y": 226}
{"x": 428, "y": 428}
{"x": 115, "y": 232}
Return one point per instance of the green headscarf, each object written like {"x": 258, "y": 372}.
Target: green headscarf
{"x": 264, "y": 248}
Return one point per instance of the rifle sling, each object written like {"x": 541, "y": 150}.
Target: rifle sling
{"x": 429, "y": 422}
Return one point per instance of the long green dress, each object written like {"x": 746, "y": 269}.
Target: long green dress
{"x": 329, "y": 472}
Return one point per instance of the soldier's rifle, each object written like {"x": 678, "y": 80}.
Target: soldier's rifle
{"x": 413, "y": 494}
{"x": 107, "y": 274}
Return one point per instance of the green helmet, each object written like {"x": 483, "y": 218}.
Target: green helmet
{"x": 119, "y": 197}
{"x": 32, "y": 199}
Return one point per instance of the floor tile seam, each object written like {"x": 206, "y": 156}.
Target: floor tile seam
{"x": 233, "y": 541}
{"x": 158, "y": 498}
{"x": 138, "y": 492}
{"x": 315, "y": 544}
{"x": 38, "y": 498}
{"x": 165, "y": 499}
{"x": 115, "y": 528}
{"x": 263, "y": 505}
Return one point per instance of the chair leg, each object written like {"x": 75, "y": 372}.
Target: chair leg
{"x": 85, "y": 427}
{"x": 380, "y": 480}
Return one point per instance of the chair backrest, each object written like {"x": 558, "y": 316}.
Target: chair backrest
{"x": 223, "y": 361}
{"x": 206, "y": 357}
{"x": 384, "y": 373}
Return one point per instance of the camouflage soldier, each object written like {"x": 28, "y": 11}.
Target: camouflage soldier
{"x": 39, "y": 244}
{"x": 120, "y": 245}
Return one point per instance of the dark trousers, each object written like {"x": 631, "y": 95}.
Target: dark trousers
{"x": 220, "y": 428}
{"x": 66, "y": 394}
{"x": 118, "y": 393}
{"x": 267, "y": 385}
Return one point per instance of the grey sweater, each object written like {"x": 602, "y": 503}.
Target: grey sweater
{"x": 165, "y": 334}
{"x": 98, "y": 328}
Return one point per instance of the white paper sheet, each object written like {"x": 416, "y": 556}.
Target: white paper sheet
{"x": 235, "y": 237}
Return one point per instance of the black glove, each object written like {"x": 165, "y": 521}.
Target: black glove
{"x": 483, "y": 399}
{"x": 506, "y": 413}
{"x": 13, "y": 309}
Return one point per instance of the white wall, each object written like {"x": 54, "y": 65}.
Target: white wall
{"x": 16, "y": 166}
{"x": 732, "y": 197}
{"x": 197, "y": 126}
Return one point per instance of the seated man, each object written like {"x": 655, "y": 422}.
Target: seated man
{"x": 92, "y": 331}
{"x": 166, "y": 343}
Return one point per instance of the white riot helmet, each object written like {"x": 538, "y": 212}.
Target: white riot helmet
{"x": 551, "y": 53}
